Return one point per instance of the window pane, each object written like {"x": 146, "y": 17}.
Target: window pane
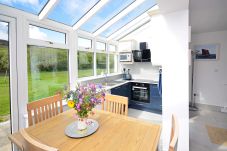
{"x": 101, "y": 61}
{"x": 112, "y": 48}
{"x": 112, "y": 63}
{"x": 142, "y": 8}
{"x": 70, "y": 11}
{"x": 101, "y": 46}
{"x": 84, "y": 43}
{"x": 31, "y": 6}
{"x": 112, "y": 8}
{"x": 85, "y": 64}
{"x": 40, "y": 33}
{"x": 47, "y": 71}
{"x": 5, "y": 122}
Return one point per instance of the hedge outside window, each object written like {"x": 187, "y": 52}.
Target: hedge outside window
{"x": 101, "y": 63}
{"x": 85, "y": 64}
{"x": 47, "y": 71}
{"x": 112, "y": 63}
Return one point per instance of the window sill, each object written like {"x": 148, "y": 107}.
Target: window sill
{"x": 97, "y": 77}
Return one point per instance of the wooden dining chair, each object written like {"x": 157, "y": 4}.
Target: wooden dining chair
{"x": 17, "y": 140}
{"x": 116, "y": 104}
{"x": 44, "y": 108}
{"x": 174, "y": 134}
{"x": 24, "y": 142}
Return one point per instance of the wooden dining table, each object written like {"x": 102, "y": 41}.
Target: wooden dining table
{"x": 115, "y": 133}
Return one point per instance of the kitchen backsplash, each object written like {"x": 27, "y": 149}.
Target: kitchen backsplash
{"x": 143, "y": 71}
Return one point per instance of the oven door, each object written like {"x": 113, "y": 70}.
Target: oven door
{"x": 140, "y": 94}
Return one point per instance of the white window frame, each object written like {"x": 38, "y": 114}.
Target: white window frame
{"x": 13, "y": 87}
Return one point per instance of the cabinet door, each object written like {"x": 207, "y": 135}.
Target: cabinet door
{"x": 123, "y": 90}
{"x": 116, "y": 91}
{"x": 156, "y": 100}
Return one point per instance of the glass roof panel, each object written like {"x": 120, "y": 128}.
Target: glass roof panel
{"x": 142, "y": 8}
{"x": 30, "y": 6}
{"x": 70, "y": 11}
{"x": 112, "y": 8}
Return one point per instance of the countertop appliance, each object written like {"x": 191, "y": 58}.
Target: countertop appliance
{"x": 128, "y": 76}
{"x": 140, "y": 92}
{"x": 142, "y": 55}
{"x": 125, "y": 57}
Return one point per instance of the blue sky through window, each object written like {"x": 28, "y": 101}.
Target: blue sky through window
{"x": 40, "y": 33}
{"x": 146, "y": 5}
{"x": 112, "y": 8}
{"x": 31, "y": 6}
{"x": 70, "y": 11}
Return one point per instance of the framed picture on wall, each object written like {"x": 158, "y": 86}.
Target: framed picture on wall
{"x": 206, "y": 51}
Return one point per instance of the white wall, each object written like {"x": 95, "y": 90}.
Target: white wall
{"x": 172, "y": 42}
{"x": 210, "y": 77}
{"x": 143, "y": 70}
{"x": 167, "y": 36}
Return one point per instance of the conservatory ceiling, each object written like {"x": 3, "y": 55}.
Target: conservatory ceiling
{"x": 105, "y": 18}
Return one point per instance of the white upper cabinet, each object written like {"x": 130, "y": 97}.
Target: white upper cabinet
{"x": 127, "y": 45}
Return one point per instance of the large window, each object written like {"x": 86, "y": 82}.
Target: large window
{"x": 85, "y": 58}
{"x": 85, "y": 64}
{"x": 47, "y": 71}
{"x": 101, "y": 63}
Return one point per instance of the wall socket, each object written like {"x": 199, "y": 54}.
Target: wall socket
{"x": 224, "y": 109}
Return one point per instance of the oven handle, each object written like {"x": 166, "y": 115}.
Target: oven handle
{"x": 139, "y": 88}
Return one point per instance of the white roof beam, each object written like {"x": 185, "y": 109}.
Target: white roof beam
{"x": 133, "y": 28}
{"x": 49, "y": 6}
{"x": 119, "y": 16}
{"x": 89, "y": 14}
{"x": 142, "y": 19}
{"x": 129, "y": 25}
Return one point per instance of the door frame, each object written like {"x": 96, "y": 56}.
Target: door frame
{"x": 14, "y": 112}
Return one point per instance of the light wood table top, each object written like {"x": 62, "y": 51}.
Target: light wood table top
{"x": 115, "y": 133}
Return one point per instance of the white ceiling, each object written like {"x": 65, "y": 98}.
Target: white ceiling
{"x": 208, "y": 15}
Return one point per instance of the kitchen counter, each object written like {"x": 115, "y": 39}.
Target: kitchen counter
{"x": 112, "y": 84}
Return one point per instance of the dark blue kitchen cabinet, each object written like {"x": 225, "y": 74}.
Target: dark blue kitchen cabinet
{"x": 123, "y": 90}
{"x": 155, "y": 97}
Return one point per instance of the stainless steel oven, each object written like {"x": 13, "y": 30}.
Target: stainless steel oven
{"x": 140, "y": 92}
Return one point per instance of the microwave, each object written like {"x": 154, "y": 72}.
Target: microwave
{"x": 125, "y": 57}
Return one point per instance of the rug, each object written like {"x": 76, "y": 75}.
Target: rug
{"x": 217, "y": 135}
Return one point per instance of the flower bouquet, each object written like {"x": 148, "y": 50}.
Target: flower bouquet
{"x": 83, "y": 99}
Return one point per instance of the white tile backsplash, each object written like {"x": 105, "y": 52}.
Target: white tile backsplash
{"x": 143, "y": 70}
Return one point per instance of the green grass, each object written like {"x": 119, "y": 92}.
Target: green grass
{"x": 45, "y": 84}
{"x": 4, "y": 95}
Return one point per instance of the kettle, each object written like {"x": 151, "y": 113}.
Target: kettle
{"x": 128, "y": 76}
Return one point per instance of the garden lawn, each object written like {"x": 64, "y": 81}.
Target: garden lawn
{"x": 41, "y": 85}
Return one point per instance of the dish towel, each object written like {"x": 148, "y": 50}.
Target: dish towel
{"x": 160, "y": 82}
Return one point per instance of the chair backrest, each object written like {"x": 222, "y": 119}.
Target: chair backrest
{"x": 44, "y": 108}
{"x": 30, "y": 144}
{"x": 116, "y": 104}
{"x": 17, "y": 139}
{"x": 174, "y": 134}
